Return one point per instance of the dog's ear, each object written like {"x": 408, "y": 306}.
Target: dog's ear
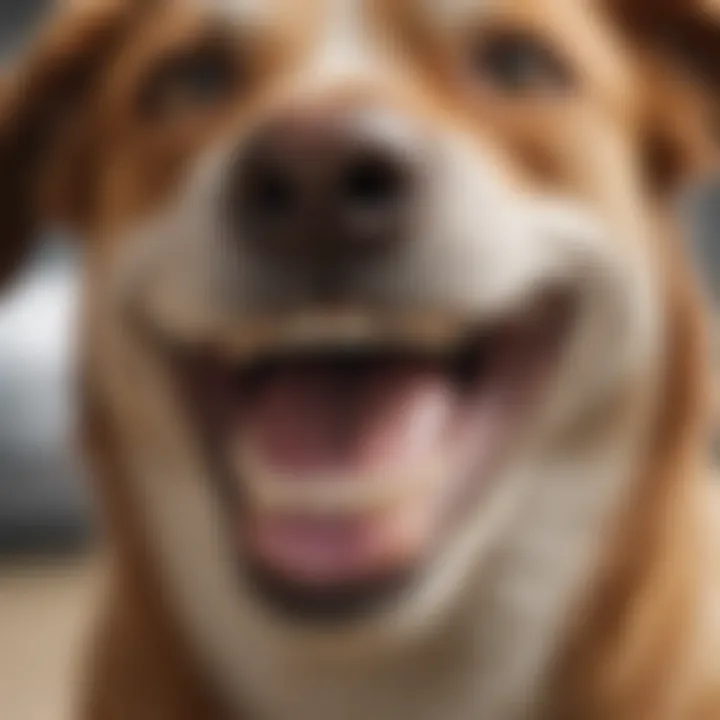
{"x": 42, "y": 104}
{"x": 678, "y": 47}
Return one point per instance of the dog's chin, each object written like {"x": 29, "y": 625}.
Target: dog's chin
{"x": 347, "y": 454}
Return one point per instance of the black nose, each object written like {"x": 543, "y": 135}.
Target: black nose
{"x": 326, "y": 184}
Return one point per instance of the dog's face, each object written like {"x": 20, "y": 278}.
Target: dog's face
{"x": 375, "y": 295}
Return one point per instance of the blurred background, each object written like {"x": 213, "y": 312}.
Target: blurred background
{"x": 47, "y": 568}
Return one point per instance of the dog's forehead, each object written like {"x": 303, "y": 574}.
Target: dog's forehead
{"x": 326, "y": 12}
{"x": 349, "y": 26}
{"x": 342, "y": 32}
{"x": 245, "y": 10}
{"x": 337, "y": 13}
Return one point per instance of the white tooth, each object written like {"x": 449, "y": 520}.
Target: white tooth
{"x": 317, "y": 328}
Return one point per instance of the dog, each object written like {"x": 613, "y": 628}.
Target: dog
{"x": 393, "y": 366}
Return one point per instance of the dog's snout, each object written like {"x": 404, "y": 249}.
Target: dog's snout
{"x": 326, "y": 183}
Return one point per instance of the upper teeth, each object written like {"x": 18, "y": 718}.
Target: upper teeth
{"x": 345, "y": 330}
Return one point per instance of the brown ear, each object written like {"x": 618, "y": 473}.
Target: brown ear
{"x": 678, "y": 44}
{"x": 40, "y": 102}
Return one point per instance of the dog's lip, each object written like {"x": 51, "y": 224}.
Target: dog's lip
{"x": 264, "y": 335}
{"x": 243, "y": 339}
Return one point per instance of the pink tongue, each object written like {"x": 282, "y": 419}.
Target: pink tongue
{"x": 340, "y": 419}
{"x": 307, "y": 421}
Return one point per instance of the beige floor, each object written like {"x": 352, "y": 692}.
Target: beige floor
{"x": 44, "y": 616}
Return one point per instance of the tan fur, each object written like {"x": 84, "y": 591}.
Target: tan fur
{"x": 642, "y": 624}
{"x": 137, "y": 666}
{"x": 645, "y": 642}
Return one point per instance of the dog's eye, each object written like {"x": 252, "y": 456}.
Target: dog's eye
{"x": 192, "y": 82}
{"x": 519, "y": 63}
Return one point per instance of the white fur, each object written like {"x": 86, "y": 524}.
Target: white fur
{"x": 344, "y": 53}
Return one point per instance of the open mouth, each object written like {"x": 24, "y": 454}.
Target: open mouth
{"x": 347, "y": 451}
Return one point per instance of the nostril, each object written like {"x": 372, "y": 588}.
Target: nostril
{"x": 374, "y": 183}
{"x": 270, "y": 194}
